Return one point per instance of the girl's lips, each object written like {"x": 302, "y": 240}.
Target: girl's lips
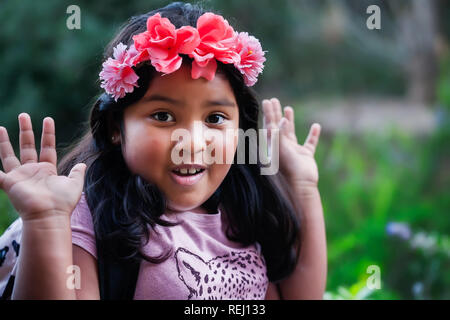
{"x": 187, "y": 180}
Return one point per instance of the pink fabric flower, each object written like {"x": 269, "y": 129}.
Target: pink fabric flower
{"x": 252, "y": 59}
{"x": 117, "y": 75}
{"x": 217, "y": 39}
{"x": 162, "y": 43}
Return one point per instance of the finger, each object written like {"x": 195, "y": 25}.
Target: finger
{"x": 7, "y": 155}
{"x": 289, "y": 114}
{"x": 284, "y": 125}
{"x": 269, "y": 124}
{"x": 28, "y": 152}
{"x": 276, "y": 107}
{"x": 48, "y": 142}
{"x": 77, "y": 174}
{"x": 313, "y": 137}
{"x": 269, "y": 118}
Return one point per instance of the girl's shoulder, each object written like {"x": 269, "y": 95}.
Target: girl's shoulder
{"x": 82, "y": 208}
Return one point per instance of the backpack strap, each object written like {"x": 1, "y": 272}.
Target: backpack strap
{"x": 117, "y": 279}
{"x": 8, "y": 289}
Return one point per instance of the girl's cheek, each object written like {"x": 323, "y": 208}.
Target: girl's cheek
{"x": 147, "y": 155}
{"x": 154, "y": 151}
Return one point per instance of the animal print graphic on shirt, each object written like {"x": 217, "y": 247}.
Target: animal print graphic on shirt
{"x": 237, "y": 275}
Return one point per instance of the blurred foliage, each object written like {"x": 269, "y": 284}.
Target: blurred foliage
{"x": 366, "y": 181}
{"x": 7, "y": 212}
{"x": 49, "y": 70}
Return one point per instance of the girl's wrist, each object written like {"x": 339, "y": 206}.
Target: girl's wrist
{"x": 307, "y": 200}
{"x": 45, "y": 255}
{"x": 304, "y": 188}
{"x": 48, "y": 221}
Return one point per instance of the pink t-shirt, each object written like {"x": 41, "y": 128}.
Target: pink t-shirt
{"x": 204, "y": 264}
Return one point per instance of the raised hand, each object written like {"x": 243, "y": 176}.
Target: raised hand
{"x": 34, "y": 187}
{"x": 297, "y": 164}
{"x": 296, "y": 161}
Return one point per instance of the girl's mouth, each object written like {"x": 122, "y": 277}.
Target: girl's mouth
{"x": 187, "y": 176}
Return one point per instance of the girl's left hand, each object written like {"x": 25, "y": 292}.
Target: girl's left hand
{"x": 296, "y": 161}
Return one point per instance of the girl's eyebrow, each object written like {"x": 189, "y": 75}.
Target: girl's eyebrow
{"x": 157, "y": 97}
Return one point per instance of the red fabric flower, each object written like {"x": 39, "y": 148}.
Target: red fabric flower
{"x": 217, "y": 40}
{"x": 162, "y": 43}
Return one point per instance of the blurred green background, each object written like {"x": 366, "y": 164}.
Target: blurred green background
{"x": 381, "y": 96}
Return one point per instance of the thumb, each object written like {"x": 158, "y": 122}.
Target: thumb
{"x": 77, "y": 173}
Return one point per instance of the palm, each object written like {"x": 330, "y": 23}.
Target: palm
{"x": 296, "y": 161}
{"x": 304, "y": 167}
{"x": 34, "y": 187}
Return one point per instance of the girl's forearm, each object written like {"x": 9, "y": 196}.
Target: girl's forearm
{"x": 44, "y": 257}
{"x": 308, "y": 281}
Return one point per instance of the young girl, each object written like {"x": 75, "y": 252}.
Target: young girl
{"x": 134, "y": 222}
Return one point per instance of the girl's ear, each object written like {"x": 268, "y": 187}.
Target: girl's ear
{"x": 115, "y": 139}
{"x": 115, "y": 132}
{"x": 115, "y": 136}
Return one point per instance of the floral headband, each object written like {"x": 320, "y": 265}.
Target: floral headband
{"x": 213, "y": 39}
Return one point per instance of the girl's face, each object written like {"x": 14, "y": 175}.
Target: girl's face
{"x": 176, "y": 101}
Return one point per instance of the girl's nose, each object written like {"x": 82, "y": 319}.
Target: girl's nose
{"x": 194, "y": 141}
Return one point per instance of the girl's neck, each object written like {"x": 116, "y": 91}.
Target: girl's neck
{"x": 199, "y": 210}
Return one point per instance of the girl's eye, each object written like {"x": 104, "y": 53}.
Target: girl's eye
{"x": 215, "y": 118}
{"x": 162, "y": 116}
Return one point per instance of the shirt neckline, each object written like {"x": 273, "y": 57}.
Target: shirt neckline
{"x": 197, "y": 218}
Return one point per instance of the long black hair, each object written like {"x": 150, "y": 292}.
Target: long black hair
{"x": 125, "y": 207}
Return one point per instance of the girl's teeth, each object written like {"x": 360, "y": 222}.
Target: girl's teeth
{"x": 186, "y": 171}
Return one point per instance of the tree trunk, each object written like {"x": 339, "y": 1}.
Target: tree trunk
{"x": 418, "y": 34}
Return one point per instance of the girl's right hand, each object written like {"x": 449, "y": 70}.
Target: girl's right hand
{"x": 34, "y": 188}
